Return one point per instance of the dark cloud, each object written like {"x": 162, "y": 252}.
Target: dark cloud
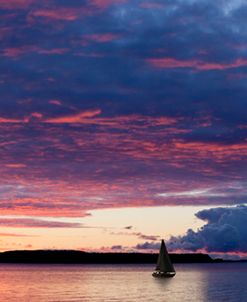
{"x": 129, "y": 227}
{"x": 117, "y": 247}
{"x": 147, "y": 237}
{"x": 137, "y": 234}
{"x": 147, "y": 246}
{"x": 156, "y": 34}
{"x": 225, "y": 231}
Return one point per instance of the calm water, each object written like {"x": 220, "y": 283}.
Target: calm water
{"x": 193, "y": 282}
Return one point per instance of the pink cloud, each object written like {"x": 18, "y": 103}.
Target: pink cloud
{"x": 236, "y": 76}
{"x": 4, "y": 31}
{"x": 16, "y": 166}
{"x": 69, "y": 13}
{"x": 61, "y": 13}
{"x": 165, "y": 63}
{"x": 9, "y": 120}
{"x": 15, "y": 52}
{"x": 103, "y": 4}
{"x": 54, "y": 51}
{"x": 242, "y": 127}
{"x": 72, "y": 170}
{"x": 219, "y": 152}
{"x": 55, "y": 102}
{"x": 101, "y": 38}
{"x": 15, "y": 4}
{"x": 91, "y": 117}
{"x": 123, "y": 121}
{"x": 151, "y": 5}
{"x": 34, "y": 116}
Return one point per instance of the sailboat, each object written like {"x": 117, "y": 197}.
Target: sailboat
{"x": 164, "y": 268}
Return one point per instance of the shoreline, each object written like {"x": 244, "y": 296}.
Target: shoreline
{"x": 80, "y": 257}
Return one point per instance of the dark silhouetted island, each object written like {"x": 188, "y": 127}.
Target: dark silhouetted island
{"x": 80, "y": 257}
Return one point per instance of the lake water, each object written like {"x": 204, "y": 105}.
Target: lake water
{"x": 90, "y": 283}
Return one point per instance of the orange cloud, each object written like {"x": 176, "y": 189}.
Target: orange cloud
{"x": 90, "y": 117}
{"x": 133, "y": 121}
{"x": 75, "y": 118}
{"x": 15, "y": 235}
{"x": 34, "y": 116}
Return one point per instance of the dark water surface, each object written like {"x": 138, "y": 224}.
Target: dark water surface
{"x": 193, "y": 282}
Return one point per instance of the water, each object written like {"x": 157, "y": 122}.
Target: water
{"x": 106, "y": 283}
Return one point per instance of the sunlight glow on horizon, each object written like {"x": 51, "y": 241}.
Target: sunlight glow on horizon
{"x": 105, "y": 228}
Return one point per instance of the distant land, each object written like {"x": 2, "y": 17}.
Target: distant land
{"x": 80, "y": 257}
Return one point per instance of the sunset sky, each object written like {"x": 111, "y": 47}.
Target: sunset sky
{"x": 123, "y": 122}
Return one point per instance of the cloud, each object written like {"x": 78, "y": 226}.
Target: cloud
{"x": 36, "y": 223}
{"x": 17, "y": 52}
{"x": 76, "y": 167}
{"x": 129, "y": 227}
{"x": 147, "y": 237}
{"x": 66, "y": 12}
{"x": 117, "y": 247}
{"x": 108, "y": 104}
{"x": 32, "y": 117}
{"x": 224, "y": 232}
{"x": 16, "y": 166}
{"x": 101, "y": 38}
{"x": 9, "y": 120}
{"x": 195, "y": 64}
{"x": 208, "y": 192}
{"x": 16, "y": 235}
{"x": 152, "y": 5}
{"x": 56, "y": 102}
{"x": 103, "y": 4}
{"x": 147, "y": 246}
{"x": 137, "y": 234}
{"x": 15, "y": 4}
{"x": 76, "y": 118}
{"x": 60, "y": 13}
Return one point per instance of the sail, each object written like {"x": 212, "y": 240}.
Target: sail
{"x": 164, "y": 263}
{"x": 158, "y": 266}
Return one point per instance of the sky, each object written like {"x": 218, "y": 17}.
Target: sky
{"x": 123, "y": 122}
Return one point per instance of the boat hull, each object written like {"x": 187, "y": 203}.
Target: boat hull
{"x": 163, "y": 274}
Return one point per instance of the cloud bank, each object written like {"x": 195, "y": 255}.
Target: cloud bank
{"x": 224, "y": 232}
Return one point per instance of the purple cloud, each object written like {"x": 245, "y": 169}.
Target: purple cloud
{"x": 148, "y": 246}
{"x": 101, "y": 108}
